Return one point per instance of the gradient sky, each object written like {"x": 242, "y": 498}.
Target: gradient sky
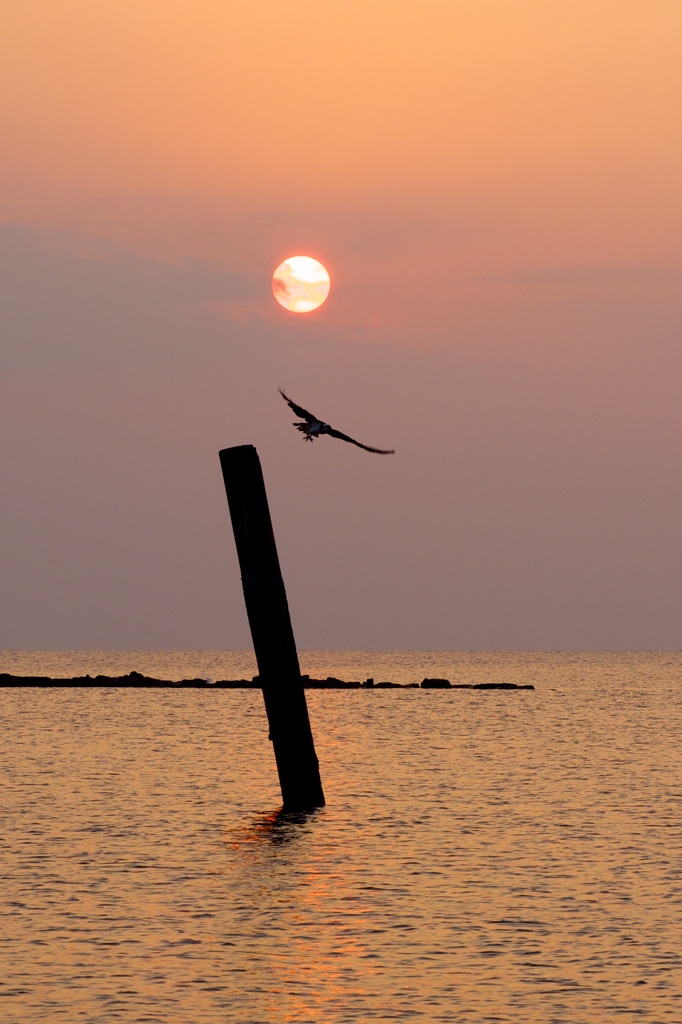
{"x": 496, "y": 189}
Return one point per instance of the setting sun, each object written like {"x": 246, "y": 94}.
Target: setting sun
{"x": 300, "y": 284}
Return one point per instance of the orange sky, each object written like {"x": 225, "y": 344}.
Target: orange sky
{"x": 495, "y": 186}
{"x": 476, "y": 138}
{"x": 387, "y": 99}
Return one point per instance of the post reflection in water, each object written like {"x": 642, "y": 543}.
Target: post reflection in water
{"x": 274, "y": 827}
{"x": 307, "y": 957}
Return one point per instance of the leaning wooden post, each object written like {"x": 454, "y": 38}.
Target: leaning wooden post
{"x": 273, "y": 637}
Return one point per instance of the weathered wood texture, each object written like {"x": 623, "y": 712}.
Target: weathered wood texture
{"x": 273, "y": 637}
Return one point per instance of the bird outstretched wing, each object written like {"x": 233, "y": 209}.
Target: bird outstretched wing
{"x": 345, "y": 437}
{"x": 298, "y": 409}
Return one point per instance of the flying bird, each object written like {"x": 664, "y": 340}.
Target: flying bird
{"x": 312, "y": 428}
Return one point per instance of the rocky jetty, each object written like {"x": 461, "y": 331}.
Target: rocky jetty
{"x": 133, "y": 679}
{"x": 137, "y": 680}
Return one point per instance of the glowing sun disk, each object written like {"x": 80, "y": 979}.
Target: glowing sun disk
{"x": 300, "y": 284}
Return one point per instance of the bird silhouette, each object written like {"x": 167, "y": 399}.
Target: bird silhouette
{"x": 312, "y": 428}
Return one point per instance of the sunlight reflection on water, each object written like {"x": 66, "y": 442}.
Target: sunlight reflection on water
{"x": 482, "y": 856}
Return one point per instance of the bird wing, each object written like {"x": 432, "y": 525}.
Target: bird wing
{"x": 345, "y": 437}
{"x": 298, "y": 409}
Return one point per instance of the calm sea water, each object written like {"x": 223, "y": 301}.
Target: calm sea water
{"x": 483, "y": 856}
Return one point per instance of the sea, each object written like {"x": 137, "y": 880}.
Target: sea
{"x": 483, "y": 856}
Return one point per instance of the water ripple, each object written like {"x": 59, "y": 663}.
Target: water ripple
{"x": 483, "y": 857}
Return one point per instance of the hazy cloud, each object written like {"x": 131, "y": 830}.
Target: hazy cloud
{"x": 533, "y": 501}
{"x": 63, "y": 309}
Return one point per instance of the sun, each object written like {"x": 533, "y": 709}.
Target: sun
{"x": 301, "y": 284}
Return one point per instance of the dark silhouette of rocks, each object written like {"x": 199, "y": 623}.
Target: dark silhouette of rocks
{"x": 137, "y": 680}
{"x": 445, "y": 684}
{"x": 330, "y": 683}
{"x": 133, "y": 679}
{"x": 503, "y": 686}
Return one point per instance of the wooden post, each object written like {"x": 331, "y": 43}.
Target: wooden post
{"x": 273, "y": 637}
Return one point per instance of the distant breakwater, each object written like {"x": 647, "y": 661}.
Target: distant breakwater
{"x": 137, "y": 680}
